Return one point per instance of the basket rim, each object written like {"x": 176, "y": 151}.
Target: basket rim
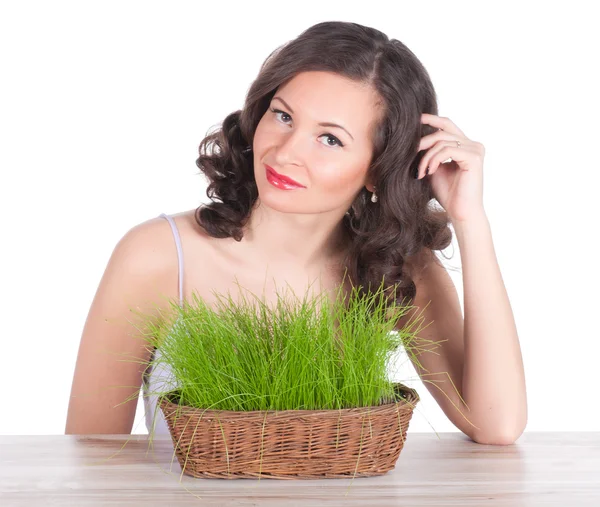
{"x": 171, "y": 398}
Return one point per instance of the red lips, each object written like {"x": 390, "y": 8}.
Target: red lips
{"x": 283, "y": 178}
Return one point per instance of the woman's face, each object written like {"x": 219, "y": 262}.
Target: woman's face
{"x": 330, "y": 162}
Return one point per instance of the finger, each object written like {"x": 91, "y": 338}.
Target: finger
{"x": 448, "y": 152}
{"x": 441, "y": 122}
{"x": 429, "y": 140}
{"x": 428, "y": 157}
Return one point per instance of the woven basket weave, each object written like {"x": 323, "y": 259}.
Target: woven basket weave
{"x": 289, "y": 444}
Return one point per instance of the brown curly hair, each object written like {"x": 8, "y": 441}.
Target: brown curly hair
{"x": 382, "y": 236}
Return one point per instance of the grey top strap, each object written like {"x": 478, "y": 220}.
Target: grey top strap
{"x": 179, "y": 253}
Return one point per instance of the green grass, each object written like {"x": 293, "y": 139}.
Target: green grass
{"x": 303, "y": 354}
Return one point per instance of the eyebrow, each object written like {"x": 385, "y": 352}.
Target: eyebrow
{"x": 323, "y": 124}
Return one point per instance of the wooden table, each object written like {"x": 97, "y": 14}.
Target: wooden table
{"x": 561, "y": 469}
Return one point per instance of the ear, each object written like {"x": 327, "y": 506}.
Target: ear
{"x": 370, "y": 187}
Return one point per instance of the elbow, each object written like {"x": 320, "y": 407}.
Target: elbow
{"x": 495, "y": 438}
{"x": 502, "y": 436}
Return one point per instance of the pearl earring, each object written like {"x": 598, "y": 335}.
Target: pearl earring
{"x": 374, "y": 196}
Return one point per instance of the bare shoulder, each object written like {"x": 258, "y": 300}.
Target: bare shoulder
{"x": 147, "y": 246}
{"x": 153, "y": 240}
{"x": 199, "y": 250}
{"x": 428, "y": 272}
{"x": 433, "y": 284}
{"x": 148, "y": 251}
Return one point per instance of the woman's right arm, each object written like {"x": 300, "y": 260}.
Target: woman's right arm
{"x": 112, "y": 352}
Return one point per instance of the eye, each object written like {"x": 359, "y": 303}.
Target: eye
{"x": 277, "y": 111}
{"x": 329, "y": 136}
{"x": 339, "y": 143}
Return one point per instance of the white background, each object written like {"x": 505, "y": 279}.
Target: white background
{"x": 103, "y": 105}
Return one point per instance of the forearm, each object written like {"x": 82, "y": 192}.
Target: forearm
{"x": 493, "y": 382}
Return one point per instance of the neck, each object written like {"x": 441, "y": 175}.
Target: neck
{"x": 299, "y": 241}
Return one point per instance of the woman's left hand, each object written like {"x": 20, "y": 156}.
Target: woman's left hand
{"x": 457, "y": 184}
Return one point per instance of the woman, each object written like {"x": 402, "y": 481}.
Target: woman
{"x": 329, "y": 168}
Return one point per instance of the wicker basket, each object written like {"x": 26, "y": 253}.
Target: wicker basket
{"x": 289, "y": 444}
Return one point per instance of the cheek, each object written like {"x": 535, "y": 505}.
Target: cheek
{"x": 340, "y": 178}
{"x": 266, "y": 134}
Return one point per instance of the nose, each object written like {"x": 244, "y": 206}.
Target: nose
{"x": 289, "y": 149}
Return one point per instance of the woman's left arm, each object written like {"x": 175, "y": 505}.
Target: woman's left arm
{"x": 489, "y": 368}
